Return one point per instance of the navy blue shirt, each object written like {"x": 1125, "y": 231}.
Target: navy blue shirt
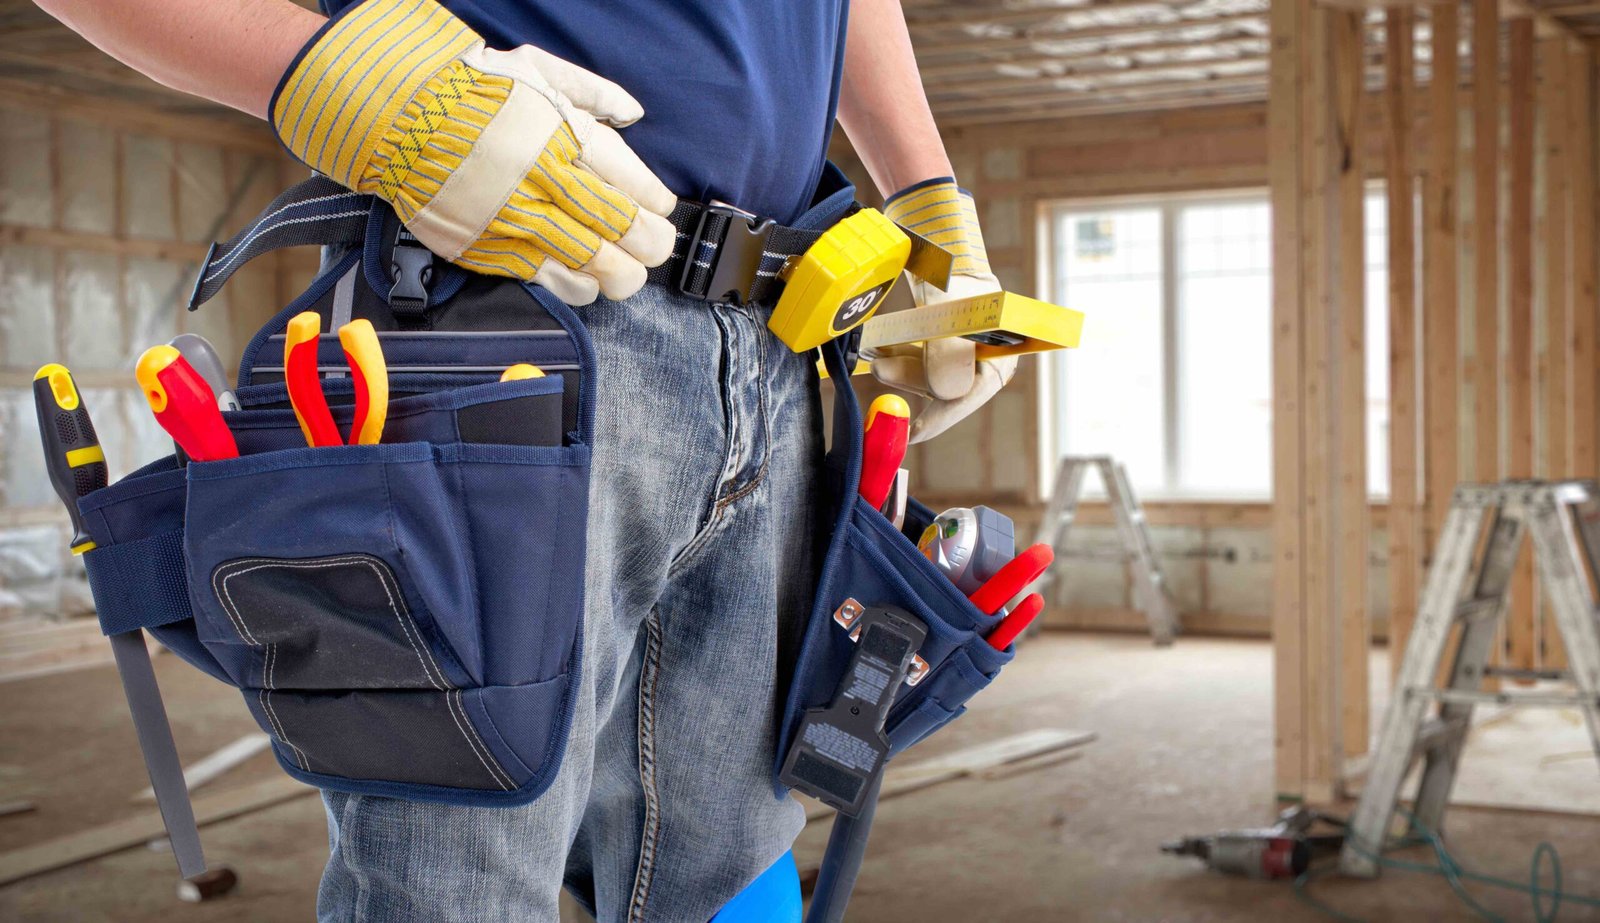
{"x": 738, "y": 95}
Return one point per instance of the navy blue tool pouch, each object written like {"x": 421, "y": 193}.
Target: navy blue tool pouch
{"x": 404, "y": 619}
{"x": 869, "y": 560}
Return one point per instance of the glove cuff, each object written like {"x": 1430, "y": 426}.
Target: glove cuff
{"x": 944, "y": 213}
{"x": 352, "y": 81}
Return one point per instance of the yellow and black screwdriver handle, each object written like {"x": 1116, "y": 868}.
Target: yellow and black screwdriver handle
{"x": 71, "y": 450}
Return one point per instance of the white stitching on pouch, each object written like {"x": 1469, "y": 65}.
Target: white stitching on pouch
{"x": 430, "y": 667}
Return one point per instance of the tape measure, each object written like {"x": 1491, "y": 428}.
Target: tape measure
{"x": 837, "y": 284}
{"x": 1001, "y": 323}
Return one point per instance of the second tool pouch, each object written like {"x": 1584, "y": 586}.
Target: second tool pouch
{"x": 868, "y": 560}
{"x": 403, "y": 619}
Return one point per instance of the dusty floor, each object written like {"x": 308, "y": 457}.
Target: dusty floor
{"x": 1185, "y": 745}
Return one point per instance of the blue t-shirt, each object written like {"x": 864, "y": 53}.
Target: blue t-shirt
{"x": 738, "y": 95}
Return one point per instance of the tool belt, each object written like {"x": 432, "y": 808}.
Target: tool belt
{"x": 404, "y": 619}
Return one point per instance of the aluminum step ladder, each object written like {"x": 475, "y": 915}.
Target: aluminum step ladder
{"x": 1467, "y": 586}
{"x": 1150, "y": 586}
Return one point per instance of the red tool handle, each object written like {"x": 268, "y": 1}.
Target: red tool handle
{"x": 1015, "y": 623}
{"x": 1010, "y": 580}
{"x": 184, "y": 404}
{"x": 883, "y": 448}
{"x": 301, "y": 375}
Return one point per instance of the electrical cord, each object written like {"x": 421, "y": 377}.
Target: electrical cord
{"x": 1457, "y": 877}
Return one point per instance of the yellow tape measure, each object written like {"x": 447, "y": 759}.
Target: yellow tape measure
{"x": 840, "y": 280}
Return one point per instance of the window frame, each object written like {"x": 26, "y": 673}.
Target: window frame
{"x": 1168, "y": 205}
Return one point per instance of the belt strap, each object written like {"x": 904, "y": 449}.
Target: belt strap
{"x": 317, "y": 211}
{"x": 724, "y": 253}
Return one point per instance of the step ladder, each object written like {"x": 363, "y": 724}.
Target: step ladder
{"x": 1149, "y": 585}
{"x": 1467, "y": 587}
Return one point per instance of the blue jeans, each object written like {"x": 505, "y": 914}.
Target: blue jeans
{"x": 700, "y": 574}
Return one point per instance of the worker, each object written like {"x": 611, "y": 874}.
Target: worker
{"x": 548, "y": 140}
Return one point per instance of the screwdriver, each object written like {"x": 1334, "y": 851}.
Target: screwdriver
{"x": 203, "y": 356}
{"x": 72, "y": 451}
{"x": 883, "y": 446}
{"x": 371, "y": 375}
{"x": 520, "y": 371}
{"x": 184, "y": 404}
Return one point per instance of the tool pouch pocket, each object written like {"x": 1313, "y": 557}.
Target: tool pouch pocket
{"x": 868, "y": 560}
{"x": 403, "y": 619}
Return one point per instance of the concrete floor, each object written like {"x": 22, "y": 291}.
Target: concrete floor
{"x": 1184, "y": 748}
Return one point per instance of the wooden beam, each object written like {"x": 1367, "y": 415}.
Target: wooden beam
{"x": 1580, "y": 188}
{"x": 1030, "y": 87}
{"x": 1213, "y": 97}
{"x": 1553, "y": 242}
{"x": 1352, "y": 531}
{"x": 1286, "y": 165}
{"x": 19, "y": 94}
{"x": 1404, "y": 447}
{"x": 1072, "y": 62}
{"x": 1319, "y": 490}
{"x": 944, "y": 17}
{"x": 1483, "y": 369}
{"x": 1440, "y": 319}
{"x": 928, "y": 47}
{"x": 1034, "y": 102}
{"x": 1520, "y": 406}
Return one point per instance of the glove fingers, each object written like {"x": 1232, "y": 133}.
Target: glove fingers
{"x": 611, "y": 159}
{"x": 620, "y": 275}
{"x": 530, "y": 221}
{"x": 579, "y": 193}
{"x": 939, "y": 416}
{"x": 950, "y": 364}
{"x": 571, "y": 286}
{"x": 584, "y": 88}
{"x": 649, "y": 238}
{"x": 901, "y": 372}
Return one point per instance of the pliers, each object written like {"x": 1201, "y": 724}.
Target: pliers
{"x": 304, "y": 381}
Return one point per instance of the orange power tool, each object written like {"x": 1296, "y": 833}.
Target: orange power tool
{"x": 184, "y": 404}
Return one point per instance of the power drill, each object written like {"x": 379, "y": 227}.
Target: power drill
{"x": 1279, "y": 851}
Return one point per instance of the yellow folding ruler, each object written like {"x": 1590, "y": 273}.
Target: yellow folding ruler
{"x": 1001, "y": 323}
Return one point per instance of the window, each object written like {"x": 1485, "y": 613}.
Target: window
{"x": 1175, "y": 377}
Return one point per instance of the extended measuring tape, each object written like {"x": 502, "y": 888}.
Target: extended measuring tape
{"x": 1001, "y": 323}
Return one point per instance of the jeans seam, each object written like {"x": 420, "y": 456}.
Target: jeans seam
{"x": 650, "y": 834}
{"x": 363, "y": 890}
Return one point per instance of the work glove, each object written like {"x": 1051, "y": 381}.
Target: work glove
{"x": 945, "y": 370}
{"x": 504, "y": 162}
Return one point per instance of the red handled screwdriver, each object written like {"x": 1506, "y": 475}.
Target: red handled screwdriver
{"x": 184, "y": 404}
{"x": 883, "y": 448}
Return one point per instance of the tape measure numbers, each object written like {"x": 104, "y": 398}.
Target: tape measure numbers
{"x": 840, "y": 280}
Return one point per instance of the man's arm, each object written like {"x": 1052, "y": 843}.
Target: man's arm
{"x": 881, "y": 103}
{"x": 228, "y": 51}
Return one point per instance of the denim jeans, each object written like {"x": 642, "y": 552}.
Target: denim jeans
{"x": 699, "y": 576}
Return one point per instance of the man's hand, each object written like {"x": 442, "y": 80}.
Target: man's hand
{"x": 945, "y": 371}
{"x": 505, "y": 162}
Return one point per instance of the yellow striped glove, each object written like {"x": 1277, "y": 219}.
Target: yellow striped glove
{"x": 504, "y": 162}
{"x": 945, "y": 371}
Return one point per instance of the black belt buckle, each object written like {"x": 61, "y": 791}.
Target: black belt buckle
{"x": 736, "y": 258}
